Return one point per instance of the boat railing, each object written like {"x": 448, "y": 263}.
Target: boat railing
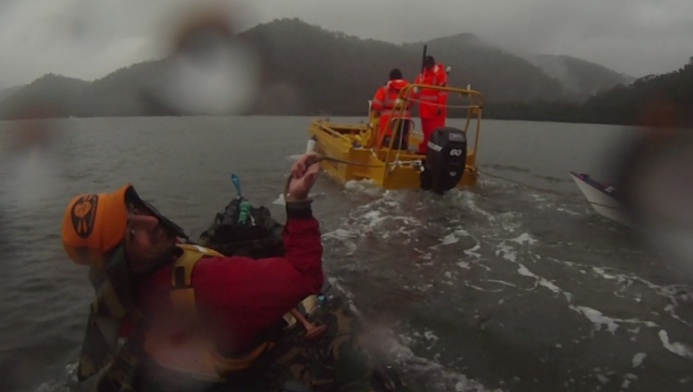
{"x": 410, "y": 94}
{"x": 412, "y": 91}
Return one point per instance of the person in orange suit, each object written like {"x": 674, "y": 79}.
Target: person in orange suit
{"x": 432, "y": 103}
{"x": 385, "y": 103}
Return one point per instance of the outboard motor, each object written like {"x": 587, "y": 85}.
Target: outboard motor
{"x": 445, "y": 160}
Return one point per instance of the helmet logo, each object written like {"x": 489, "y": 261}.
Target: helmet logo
{"x": 83, "y": 215}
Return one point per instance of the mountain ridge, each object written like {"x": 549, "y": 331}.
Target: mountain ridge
{"x": 309, "y": 70}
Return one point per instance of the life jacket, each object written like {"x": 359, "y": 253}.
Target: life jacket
{"x": 113, "y": 304}
{"x": 257, "y": 235}
{"x": 385, "y": 102}
{"x": 430, "y": 101}
{"x": 194, "y": 353}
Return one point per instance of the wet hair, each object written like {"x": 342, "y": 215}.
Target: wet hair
{"x": 429, "y": 61}
{"x": 395, "y": 74}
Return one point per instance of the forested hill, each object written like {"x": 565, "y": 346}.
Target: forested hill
{"x": 307, "y": 70}
{"x": 336, "y": 73}
{"x": 656, "y": 100}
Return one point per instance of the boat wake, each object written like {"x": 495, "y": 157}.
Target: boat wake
{"x": 523, "y": 266}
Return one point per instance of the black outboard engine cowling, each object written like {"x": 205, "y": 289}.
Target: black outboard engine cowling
{"x": 445, "y": 160}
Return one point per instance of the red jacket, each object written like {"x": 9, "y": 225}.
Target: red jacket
{"x": 432, "y": 100}
{"x": 384, "y": 102}
{"x": 385, "y": 97}
{"x": 239, "y": 298}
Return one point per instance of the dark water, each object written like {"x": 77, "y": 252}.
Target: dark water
{"x": 515, "y": 285}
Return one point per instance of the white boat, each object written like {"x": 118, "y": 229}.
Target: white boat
{"x": 602, "y": 198}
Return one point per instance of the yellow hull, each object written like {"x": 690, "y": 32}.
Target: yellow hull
{"x": 390, "y": 168}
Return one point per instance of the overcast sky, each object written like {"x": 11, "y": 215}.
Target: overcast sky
{"x": 88, "y": 39}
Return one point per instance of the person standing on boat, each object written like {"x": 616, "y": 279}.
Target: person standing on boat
{"x": 191, "y": 319}
{"x": 386, "y": 103}
{"x": 432, "y": 102}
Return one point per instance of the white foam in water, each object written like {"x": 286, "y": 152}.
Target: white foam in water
{"x": 434, "y": 375}
{"x": 382, "y": 219}
{"x": 671, "y": 310}
{"x": 474, "y": 251}
{"x": 374, "y": 218}
{"x": 469, "y": 201}
{"x": 676, "y": 348}
{"x": 569, "y": 212}
{"x": 437, "y": 378}
{"x": 464, "y": 265}
{"x": 502, "y": 282}
{"x": 597, "y": 318}
{"x": 365, "y": 186}
{"x": 506, "y": 252}
{"x": 677, "y": 294}
{"x": 674, "y": 293}
{"x": 340, "y": 234}
{"x": 450, "y": 239}
{"x": 507, "y": 236}
{"x": 524, "y": 271}
{"x": 638, "y": 359}
{"x": 524, "y": 238}
{"x": 429, "y": 335}
{"x": 509, "y": 221}
{"x": 61, "y": 385}
{"x": 388, "y": 214}
{"x": 345, "y": 238}
{"x": 603, "y": 274}
{"x": 628, "y": 378}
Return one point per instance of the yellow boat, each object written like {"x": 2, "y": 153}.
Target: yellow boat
{"x": 353, "y": 154}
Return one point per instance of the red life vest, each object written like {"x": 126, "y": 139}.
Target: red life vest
{"x": 385, "y": 101}
{"x": 431, "y": 100}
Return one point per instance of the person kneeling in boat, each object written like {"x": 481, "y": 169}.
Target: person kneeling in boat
{"x": 392, "y": 112}
{"x": 191, "y": 319}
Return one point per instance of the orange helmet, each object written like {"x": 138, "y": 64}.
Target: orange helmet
{"x": 95, "y": 224}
